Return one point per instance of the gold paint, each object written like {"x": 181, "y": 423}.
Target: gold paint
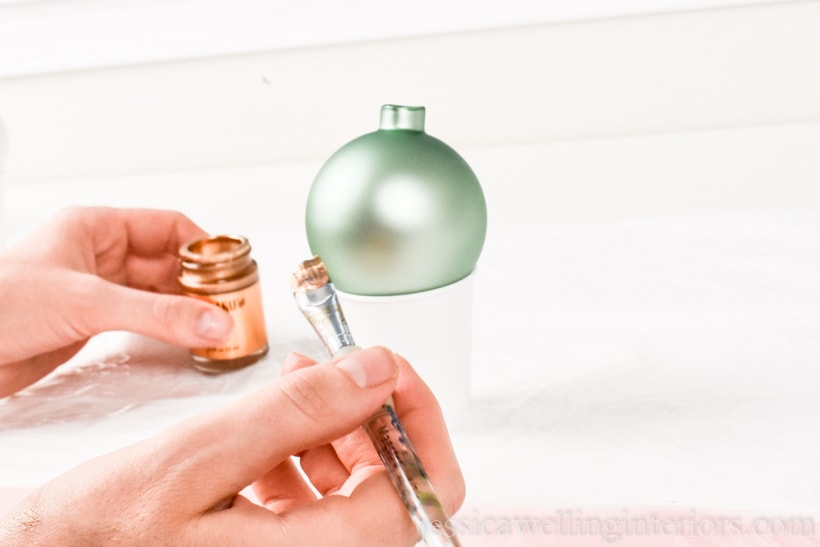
{"x": 311, "y": 274}
{"x": 220, "y": 270}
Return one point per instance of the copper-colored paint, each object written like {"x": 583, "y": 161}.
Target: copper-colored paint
{"x": 310, "y": 275}
{"x": 220, "y": 270}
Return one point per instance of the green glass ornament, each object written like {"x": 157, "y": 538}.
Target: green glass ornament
{"x": 396, "y": 211}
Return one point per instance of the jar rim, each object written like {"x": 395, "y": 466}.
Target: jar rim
{"x": 215, "y": 249}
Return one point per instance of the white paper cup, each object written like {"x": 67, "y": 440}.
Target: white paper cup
{"x": 431, "y": 329}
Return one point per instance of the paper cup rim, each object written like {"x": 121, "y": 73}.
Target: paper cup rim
{"x": 451, "y": 287}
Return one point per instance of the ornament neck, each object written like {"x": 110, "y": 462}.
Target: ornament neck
{"x": 402, "y": 117}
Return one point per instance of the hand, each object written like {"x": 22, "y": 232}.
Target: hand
{"x": 180, "y": 487}
{"x": 91, "y": 270}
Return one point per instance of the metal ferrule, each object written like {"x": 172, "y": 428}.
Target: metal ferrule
{"x": 322, "y": 310}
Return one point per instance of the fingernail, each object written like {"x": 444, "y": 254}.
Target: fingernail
{"x": 214, "y": 325}
{"x": 369, "y": 368}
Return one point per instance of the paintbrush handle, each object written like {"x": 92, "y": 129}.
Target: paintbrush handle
{"x": 409, "y": 478}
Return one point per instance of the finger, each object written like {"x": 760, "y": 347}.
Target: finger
{"x": 304, "y": 409}
{"x": 352, "y": 458}
{"x": 157, "y": 274}
{"x": 372, "y": 516}
{"x": 321, "y": 464}
{"x": 113, "y": 233}
{"x": 283, "y": 488}
{"x": 324, "y": 469}
{"x": 148, "y": 232}
{"x": 355, "y": 450}
{"x": 422, "y": 419}
{"x": 424, "y": 424}
{"x": 341, "y": 465}
{"x": 100, "y": 306}
{"x": 350, "y": 451}
{"x": 140, "y": 247}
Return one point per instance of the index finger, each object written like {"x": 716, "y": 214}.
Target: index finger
{"x": 301, "y": 410}
{"x": 148, "y": 232}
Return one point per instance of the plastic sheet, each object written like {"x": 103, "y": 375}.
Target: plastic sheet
{"x": 122, "y": 372}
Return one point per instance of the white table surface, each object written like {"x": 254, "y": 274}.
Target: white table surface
{"x": 649, "y": 363}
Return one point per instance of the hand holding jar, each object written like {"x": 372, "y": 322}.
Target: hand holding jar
{"x": 91, "y": 270}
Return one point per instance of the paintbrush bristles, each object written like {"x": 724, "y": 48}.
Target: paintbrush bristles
{"x": 310, "y": 275}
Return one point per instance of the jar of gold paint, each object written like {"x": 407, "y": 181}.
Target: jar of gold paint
{"x": 220, "y": 270}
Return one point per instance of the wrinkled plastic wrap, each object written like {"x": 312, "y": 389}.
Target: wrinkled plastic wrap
{"x": 120, "y": 372}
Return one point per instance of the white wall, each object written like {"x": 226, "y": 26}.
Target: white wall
{"x": 680, "y": 113}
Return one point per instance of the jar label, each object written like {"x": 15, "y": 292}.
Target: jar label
{"x": 249, "y": 332}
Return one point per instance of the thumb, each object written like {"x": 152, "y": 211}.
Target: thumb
{"x": 177, "y": 319}
{"x": 307, "y": 408}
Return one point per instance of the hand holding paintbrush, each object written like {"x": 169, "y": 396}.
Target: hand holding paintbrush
{"x": 316, "y": 297}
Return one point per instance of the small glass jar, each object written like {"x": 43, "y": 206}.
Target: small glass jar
{"x": 219, "y": 269}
